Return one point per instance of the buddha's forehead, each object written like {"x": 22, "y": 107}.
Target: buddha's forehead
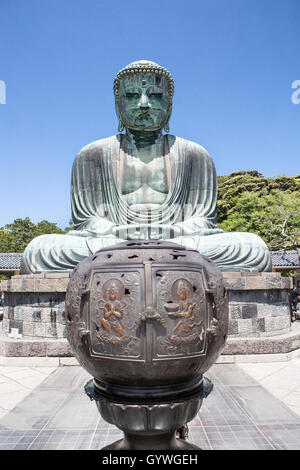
{"x": 142, "y": 80}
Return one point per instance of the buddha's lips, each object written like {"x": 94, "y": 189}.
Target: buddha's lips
{"x": 143, "y": 113}
{"x": 143, "y": 118}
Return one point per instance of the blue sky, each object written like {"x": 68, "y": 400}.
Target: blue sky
{"x": 233, "y": 62}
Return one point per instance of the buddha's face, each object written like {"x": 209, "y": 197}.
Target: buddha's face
{"x": 143, "y": 102}
{"x": 182, "y": 291}
{"x": 112, "y": 292}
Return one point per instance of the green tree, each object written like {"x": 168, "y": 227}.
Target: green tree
{"x": 269, "y": 207}
{"x": 15, "y": 237}
{"x": 4, "y": 241}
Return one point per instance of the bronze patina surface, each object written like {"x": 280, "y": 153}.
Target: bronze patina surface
{"x": 143, "y": 184}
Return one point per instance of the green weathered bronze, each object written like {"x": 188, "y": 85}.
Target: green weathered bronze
{"x": 142, "y": 184}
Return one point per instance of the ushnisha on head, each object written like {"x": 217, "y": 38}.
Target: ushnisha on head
{"x": 143, "y": 94}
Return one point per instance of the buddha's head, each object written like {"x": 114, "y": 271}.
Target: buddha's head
{"x": 182, "y": 289}
{"x": 143, "y": 93}
{"x": 112, "y": 291}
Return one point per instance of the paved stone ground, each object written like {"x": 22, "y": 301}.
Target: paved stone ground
{"x": 18, "y": 382}
{"x": 238, "y": 414}
{"x": 282, "y": 379}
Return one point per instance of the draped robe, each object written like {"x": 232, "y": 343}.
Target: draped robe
{"x": 190, "y": 208}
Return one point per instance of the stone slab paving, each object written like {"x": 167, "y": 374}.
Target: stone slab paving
{"x": 279, "y": 378}
{"x": 18, "y": 382}
{"x": 238, "y": 414}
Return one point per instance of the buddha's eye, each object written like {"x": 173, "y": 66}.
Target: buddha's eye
{"x": 132, "y": 95}
{"x": 155, "y": 94}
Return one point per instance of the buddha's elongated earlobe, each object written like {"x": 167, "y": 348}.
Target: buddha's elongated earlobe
{"x": 166, "y": 126}
{"x": 121, "y": 126}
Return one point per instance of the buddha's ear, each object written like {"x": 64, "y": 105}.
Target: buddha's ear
{"x": 121, "y": 126}
{"x": 166, "y": 126}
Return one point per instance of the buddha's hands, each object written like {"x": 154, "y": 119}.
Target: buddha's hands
{"x": 196, "y": 226}
{"x": 146, "y": 231}
{"x": 97, "y": 227}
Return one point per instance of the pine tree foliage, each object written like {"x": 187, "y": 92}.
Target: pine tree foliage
{"x": 15, "y": 237}
{"x": 268, "y": 207}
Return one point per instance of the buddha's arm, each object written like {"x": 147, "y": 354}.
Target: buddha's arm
{"x": 90, "y": 214}
{"x": 200, "y": 212}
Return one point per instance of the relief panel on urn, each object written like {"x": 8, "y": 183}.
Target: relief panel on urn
{"x": 115, "y": 300}
{"x": 180, "y": 298}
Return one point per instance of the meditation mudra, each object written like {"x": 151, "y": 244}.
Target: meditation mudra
{"x": 144, "y": 185}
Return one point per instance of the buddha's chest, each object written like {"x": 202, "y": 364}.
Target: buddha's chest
{"x": 137, "y": 174}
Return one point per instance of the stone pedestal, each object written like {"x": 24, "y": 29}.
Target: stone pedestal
{"x": 34, "y": 305}
{"x": 258, "y": 304}
{"x": 259, "y": 317}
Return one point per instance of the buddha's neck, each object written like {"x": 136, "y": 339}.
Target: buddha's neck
{"x": 145, "y": 145}
{"x": 144, "y": 139}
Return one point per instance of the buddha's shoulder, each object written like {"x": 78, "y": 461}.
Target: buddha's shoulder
{"x": 98, "y": 147}
{"x": 189, "y": 147}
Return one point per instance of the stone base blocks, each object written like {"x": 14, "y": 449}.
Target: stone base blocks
{"x": 34, "y": 305}
{"x": 258, "y": 304}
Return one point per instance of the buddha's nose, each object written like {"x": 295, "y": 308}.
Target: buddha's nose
{"x": 144, "y": 102}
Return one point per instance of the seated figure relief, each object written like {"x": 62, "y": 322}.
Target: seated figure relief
{"x": 144, "y": 184}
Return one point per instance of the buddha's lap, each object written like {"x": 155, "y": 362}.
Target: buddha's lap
{"x": 88, "y": 245}
{"x": 239, "y": 251}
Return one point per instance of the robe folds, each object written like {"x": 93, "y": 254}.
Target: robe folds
{"x": 102, "y": 217}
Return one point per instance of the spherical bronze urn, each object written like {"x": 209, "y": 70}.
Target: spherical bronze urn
{"x": 146, "y": 319}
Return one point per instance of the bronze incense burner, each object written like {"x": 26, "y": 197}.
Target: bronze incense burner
{"x": 146, "y": 319}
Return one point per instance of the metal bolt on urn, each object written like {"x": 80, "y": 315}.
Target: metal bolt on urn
{"x": 146, "y": 319}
